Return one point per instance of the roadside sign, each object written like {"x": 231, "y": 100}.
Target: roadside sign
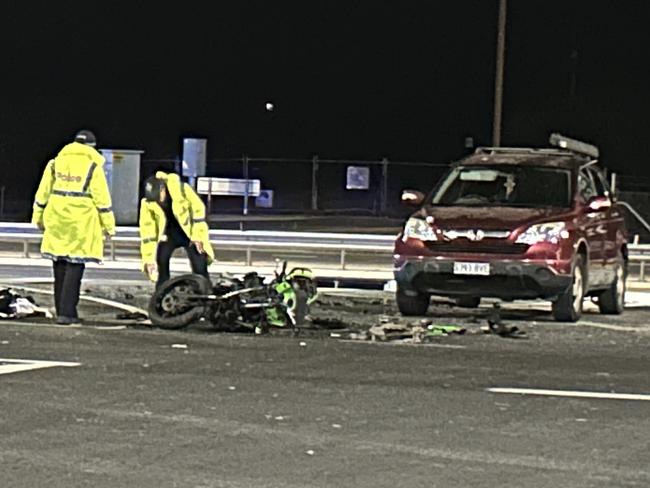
{"x": 227, "y": 186}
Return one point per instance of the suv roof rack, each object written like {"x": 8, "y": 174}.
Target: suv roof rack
{"x": 514, "y": 150}
{"x": 565, "y": 145}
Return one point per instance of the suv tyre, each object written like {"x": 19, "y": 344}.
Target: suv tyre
{"x": 568, "y": 306}
{"x": 412, "y": 305}
{"x": 612, "y": 300}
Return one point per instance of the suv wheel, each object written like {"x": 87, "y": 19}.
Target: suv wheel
{"x": 612, "y": 300}
{"x": 412, "y": 305}
{"x": 568, "y": 306}
{"x": 468, "y": 302}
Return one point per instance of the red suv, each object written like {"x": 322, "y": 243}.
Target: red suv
{"x": 516, "y": 223}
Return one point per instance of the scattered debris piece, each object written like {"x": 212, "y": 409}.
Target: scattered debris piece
{"x": 179, "y": 346}
{"x": 310, "y": 452}
{"x": 131, "y": 316}
{"x": 496, "y": 325}
{"x": 327, "y": 322}
{"x": 364, "y": 335}
{"x": 437, "y": 329}
{"x": 416, "y": 333}
{"x": 387, "y": 331}
{"x": 16, "y": 306}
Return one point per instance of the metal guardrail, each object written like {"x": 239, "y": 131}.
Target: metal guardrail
{"x": 250, "y": 240}
{"x": 246, "y": 241}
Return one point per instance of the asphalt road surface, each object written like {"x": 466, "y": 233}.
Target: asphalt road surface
{"x": 141, "y": 407}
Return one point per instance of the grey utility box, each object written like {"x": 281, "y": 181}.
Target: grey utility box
{"x": 194, "y": 155}
{"x": 122, "y": 169}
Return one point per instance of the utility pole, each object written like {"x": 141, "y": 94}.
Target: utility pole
{"x": 498, "y": 79}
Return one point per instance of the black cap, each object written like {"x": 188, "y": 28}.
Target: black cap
{"x": 85, "y": 137}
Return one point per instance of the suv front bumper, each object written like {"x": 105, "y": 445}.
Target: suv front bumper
{"x": 508, "y": 280}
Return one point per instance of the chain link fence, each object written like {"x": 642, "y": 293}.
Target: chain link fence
{"x": 321, "y": 186}
{"x": 318, "y": 185}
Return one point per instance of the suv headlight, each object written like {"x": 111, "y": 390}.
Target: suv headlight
{"x": 552, "y": 232}
{"x": 418, "y": 229}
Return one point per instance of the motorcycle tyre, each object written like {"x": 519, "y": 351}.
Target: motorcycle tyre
{"x": 200, "y": 284}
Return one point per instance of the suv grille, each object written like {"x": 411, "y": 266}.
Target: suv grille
{"x": 485, "y": 246}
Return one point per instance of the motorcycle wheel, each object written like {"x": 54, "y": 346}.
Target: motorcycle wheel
{"x": 300, "y": 308}
{"x": 172, "y": 307}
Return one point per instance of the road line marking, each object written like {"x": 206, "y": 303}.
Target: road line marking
{"x": 18, "y": 365}
{"x": 89, "y": 298}
{"x": 572, "y": 393}
{"x": 399, "y": 343}
{"x": 23, "y": 322}
{"x": 621, "y": 328}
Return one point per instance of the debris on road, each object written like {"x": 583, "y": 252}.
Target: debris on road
{"x": 364, "y": 335}
{"x": 179, "y": 346}
{"x": 390, "y": 331}
{"x": 16, "y": 306}
{"x": 131, "y": 316}
{"x": 496, "y": 325}
{"x": 417, "y": 333}
{"x": 327, "y": 323}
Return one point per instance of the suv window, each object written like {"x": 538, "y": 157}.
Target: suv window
{"x": 602, "y": 186}
{"x": 586, "y": 185}
{"x": 505, "y": 185}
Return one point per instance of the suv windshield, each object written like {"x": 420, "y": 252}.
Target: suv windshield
{"x": 504, "y": 185}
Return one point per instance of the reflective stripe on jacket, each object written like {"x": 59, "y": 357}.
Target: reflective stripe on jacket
{"x": 189, "y": 210}
{"x": 73, "y": 205}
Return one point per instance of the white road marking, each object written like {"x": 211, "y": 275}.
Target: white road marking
{"x": 18, "y": 365}
{"x": 400, "y": 343}
{"x": 620, "y": 328}
{"x": 71, "y": 326}
{"x": 571, "y": 393}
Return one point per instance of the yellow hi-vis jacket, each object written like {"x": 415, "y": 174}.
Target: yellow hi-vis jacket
{"x": 189, "y": 210}
{"x": 73, "y": 205}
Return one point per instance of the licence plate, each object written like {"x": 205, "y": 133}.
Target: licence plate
{"x": 472, "y": 268}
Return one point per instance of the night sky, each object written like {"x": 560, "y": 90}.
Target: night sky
{"x": 406, "y": 80}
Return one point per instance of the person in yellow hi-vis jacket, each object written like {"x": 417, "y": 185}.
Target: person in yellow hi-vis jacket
{"x": 172, "y": 215}
{"x": 73, "y": 208}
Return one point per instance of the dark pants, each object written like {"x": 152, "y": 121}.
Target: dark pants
{"x": 198, "y": 261}
{"x": 67, "y": 285}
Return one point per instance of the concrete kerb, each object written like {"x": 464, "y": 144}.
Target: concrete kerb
{"x": 181, "y": 265}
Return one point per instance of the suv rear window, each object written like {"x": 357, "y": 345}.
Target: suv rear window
{"x": 504, "y": 185}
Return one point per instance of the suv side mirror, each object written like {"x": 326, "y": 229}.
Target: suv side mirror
{"x": 412, "y": 197}
{"x": 598, "y": 203}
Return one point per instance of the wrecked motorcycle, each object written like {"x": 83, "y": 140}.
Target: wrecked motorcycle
{"x": 229, "y": 302}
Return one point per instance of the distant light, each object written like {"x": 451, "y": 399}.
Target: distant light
{"x": 269, "y": 106}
